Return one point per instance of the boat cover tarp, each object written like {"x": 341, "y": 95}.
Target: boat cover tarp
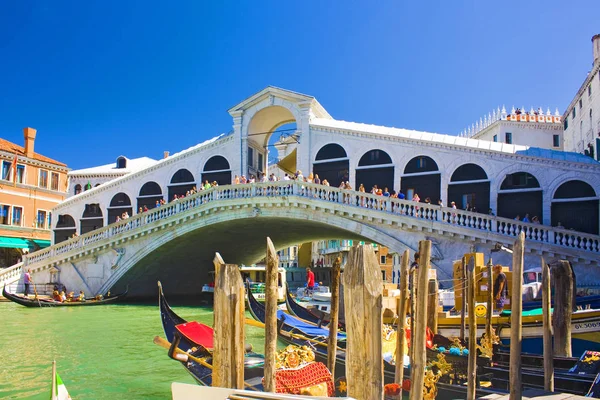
{"x": 305, "y": 327}
{"x": 530, "y": 313}
{"x": 197, "y": 333}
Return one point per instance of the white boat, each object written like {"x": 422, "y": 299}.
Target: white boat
{"x": 319, "y": 298}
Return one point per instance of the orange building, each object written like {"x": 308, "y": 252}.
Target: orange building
{"x": 30, "y": 186}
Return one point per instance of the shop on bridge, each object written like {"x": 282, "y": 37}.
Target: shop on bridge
{"x": 65, "y": 228}
{"x": 375, "y": 168}
{"x": 181, "y": 182}
{"x": 469, "y": 186}
{"x": 422, "y": 176}
{"x": 575, "y": 206}
{"x": 150, "y": 193}
{"x": 332, "y": 163}
{"x": 91, "y": 219}
{"x": 520, "y": 194}
{"x": 217, "y": 169}
{"x": 120, "y": 203}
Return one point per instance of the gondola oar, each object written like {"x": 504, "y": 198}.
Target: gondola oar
{"x": 165, "y": 343}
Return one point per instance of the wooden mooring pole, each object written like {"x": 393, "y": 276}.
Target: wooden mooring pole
{"x": 516, "y": 308}
{"x": 463, "y": 291}
{"x": 432, "y": 307}
{"x": 229, "y": 299}
{"x": 490, "y": 300}
{"x": 548, "y": 352}
{"x": 413, "y": 309}
{"x": 472, "y": 366}
{"x": 563, "y": 307}
{"x": 419, "y": 332}
{"x": 363, "y": 299}
{"x": 334, "y": 314}
{"x": 401, "y": 333}
{"x": 270, "y": 316}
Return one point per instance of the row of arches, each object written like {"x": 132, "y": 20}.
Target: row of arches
{"x": 575, "y": 204}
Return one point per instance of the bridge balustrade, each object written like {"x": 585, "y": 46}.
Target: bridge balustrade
{"x": 350, "y": 198}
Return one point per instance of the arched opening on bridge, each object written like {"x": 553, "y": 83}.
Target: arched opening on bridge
{"x": 281, "y": 150}
{"x": 119, "y": 204}
{"x": 332, "y": 163}
{"x": 263, "y": 125}
{"x": 422, "y": 176}
{"x": 217, "y": 169}
{"x": 375, "y": 167}
{"x": 520, "y": 194}
{"x": 91, "y": 219}
{"x": 575, "y": 206}
{"x": 470, "y": 186}
{"x": 181, "y": 182}
{"x": 65, "y": 228}
{"x": 150, "y": 193}
{"x": 77, "y": 189}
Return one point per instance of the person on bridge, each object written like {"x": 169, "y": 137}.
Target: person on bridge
{"x": 310, "y": 279}
{"x": 27, "y": 282}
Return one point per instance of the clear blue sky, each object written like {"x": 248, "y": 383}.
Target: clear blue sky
{"x": 98, "y": 79}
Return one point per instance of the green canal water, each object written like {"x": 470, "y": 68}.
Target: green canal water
{"x": 101, "y": 352}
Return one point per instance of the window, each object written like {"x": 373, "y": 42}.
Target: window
{"x": 6, "y": 167}
{"x": 566, "y": 123}
{"x": 20, "y": 174}
{"x": 250, "y": 157}
{"x": 43, "y": 182}
{"x": 556, "y": 140}
{"x": 508, "y": 138}
{"x": 54, "y": 181}
{"x": 589, "y": 90}
{"x": 260, "y": 162}
{"x": 77, "y": 188}
{"x": 580, "y": 103}
{"x": 121, "y": 163}
{"x": 17, "y": 216}
{"x": 573, "y": 114}
{"x": 49, "y": 220}
{"x": 4, "y": 214}
{"x": 383, "y": 275}
{"x": 382, "y": 260}
{"x": 41, "y": 219}
{"x": 495, "y": 138}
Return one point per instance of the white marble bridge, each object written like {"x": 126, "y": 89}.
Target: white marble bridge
{"x": 149, "y": 245}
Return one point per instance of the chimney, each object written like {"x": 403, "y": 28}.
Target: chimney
{"x": 596, "y": 46}
{"x": 165, "y": 154}
{"x": 29, "y": 134}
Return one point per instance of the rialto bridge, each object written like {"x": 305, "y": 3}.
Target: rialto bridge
{"x": 176, "y": 241}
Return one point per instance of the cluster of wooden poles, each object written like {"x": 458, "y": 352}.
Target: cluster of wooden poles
{"x": 363, "y": 304}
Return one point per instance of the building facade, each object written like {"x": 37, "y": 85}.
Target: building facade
{"x": 31, "y": 186}
{"x": 582, "y": 116}
{"x": 533, "y": 128}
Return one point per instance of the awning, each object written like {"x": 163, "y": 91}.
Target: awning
{"x": 288, "y": 163}
{"x": 13, "y": 243}
{"x": 19, "y": 243}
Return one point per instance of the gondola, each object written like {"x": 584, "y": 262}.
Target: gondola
{"x": 196, "y": 340}
{"x": 28, "y": 302}
{"x": 297, "y": 310}
{"x": 294, "y": 331}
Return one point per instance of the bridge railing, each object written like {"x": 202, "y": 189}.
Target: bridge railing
{"x": 11, "y": 274}
{"x": 385, "y": 205}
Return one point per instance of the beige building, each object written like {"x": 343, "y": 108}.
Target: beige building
{"x": 30, "y": 186}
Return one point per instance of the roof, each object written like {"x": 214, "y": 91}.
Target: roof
{"x": 13, "y": 148}
{"x": 133, "y": 165}
{"x": 454, "y": 140}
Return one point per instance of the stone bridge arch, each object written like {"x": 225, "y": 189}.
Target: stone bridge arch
{"x": 186, "y": 251}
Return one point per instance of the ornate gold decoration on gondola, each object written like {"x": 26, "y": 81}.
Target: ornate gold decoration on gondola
{"x": 435, "y": 370}
{"x": 486, "y": 345}
{"x": 294, "y": 356}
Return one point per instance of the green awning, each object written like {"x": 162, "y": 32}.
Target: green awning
{"x": 42, "y": 243}
{"x": 13, "y": 243}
